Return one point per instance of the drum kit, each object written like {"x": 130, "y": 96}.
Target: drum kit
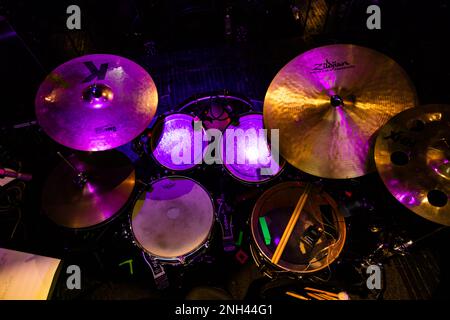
{"x": 342, "y": 111}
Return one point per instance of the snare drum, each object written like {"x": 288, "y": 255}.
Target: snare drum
{"x": 250, "y": 152}
{"x": 175, "y": 143}
{"x": 269, "y": 218}
{"x": 173, "y": 220}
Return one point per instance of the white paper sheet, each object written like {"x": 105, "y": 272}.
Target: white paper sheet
{"x": 25, "y": 276}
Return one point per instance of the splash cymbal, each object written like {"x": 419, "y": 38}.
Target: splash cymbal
{"x": 412, "y": 154}
{"x": 328, "y": 103}
{"x": 93, "y": 193}
{"x": 96, "y": 102}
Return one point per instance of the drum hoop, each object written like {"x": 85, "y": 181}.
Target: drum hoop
{"x": 223, "y": 95}
{"x": 282, "y": 163}
{"x": 341, "y": 223}
{"x": 148, "y": 146}
{"x": 193, "y": 251}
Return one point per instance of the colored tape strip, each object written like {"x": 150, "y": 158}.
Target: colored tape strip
{"x": 239, "y": 241}
{"x": 265, "y": 230}
{"x": 130, "y": 263}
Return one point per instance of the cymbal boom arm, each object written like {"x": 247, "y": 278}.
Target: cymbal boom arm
{"x": 81, "y": 177}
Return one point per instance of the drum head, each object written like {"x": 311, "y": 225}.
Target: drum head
{"x": 174, "y": 218}
{"x": 271, "y": 215}
{"x": 173, "y": 135}
{"x": 249, "y": 151}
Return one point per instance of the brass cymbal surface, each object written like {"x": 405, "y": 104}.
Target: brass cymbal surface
{"x": 329, "y": 102}
{"x": 96, "y": 102}
{"x": 412, "y": 155}
{"x": 93, "y": 194}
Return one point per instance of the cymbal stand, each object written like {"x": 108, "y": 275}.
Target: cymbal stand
{"x": 388, "y": 249}
{"x": 81, "y": 177}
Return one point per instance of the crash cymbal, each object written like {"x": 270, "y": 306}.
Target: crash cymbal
{"x": 93, "y": 193}
{"x": 328, "y": 103}
{"x": 96, "y": 102}
{"x": 412, "y": 154}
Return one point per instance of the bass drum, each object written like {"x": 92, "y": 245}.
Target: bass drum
{"x": 173, "y": 220}
{"x": 217, "y": 110}
{"x": 270, "y": 217}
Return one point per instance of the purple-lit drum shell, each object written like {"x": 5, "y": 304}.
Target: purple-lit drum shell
{"x": 174, "y": 218}
{"x": 175, "y": 132}
{"x": 250, "y": 172}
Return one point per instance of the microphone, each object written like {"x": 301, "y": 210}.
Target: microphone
{"x": 13, "y": 174}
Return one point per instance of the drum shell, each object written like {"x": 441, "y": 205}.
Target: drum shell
{"x": 282, "y": 162}
{"x": 193, "y": 255}
{"x": 149, "y": 147}
{"x": 263, "y": 260}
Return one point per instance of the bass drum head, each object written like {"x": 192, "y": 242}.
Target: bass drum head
{"x": 173, "y": 134}
{"x": 270, "y": 217}
{"x": 247, "y": 155}
{"x": 174, "y": 218}
{"x": 217, "y": 110}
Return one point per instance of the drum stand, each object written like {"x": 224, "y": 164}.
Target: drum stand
{"x": 399, "y": 246}
{"x": 224, "y": 217}
{"x": 159, "y": 274}
{"x": 81, "y": 177}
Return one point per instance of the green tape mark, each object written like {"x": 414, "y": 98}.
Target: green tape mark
{"x": 56, "y": 78}
{"x": 265, "y": 230}
{"x": 239, "y": 241}
{"x": 130, "y": 262}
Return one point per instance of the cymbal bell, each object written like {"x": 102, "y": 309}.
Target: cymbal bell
{"x": 412, "y": 155}
{"x": 94, "y": 193}
{"x": 96, "y": 102}
{"x": 329, "y": 102}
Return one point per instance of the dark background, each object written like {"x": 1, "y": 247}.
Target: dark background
{"x": 187, "y": 48}
{"x": 190, "y": 47}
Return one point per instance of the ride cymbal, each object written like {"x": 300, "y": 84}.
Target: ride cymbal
{"x": 93, "y": 193}
{"x": 96, "y": 102}
{"x": 412, "y": 154}
{"x": 328, "y": 103}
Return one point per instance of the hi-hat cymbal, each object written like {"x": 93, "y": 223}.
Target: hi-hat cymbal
{"x": 328, "y": 103}
{"x": 412, "y": 154}
{"x": 96, "y": 102}
{"x": 81, "y": 201}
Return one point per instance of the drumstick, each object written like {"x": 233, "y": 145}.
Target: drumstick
{"x": 326, "y": 297}
{"x": 331, "y": 294}
{"x": 312, "y": 295}
{"x": 339, "y": 296}
{"x": 295, "y": 295}
{"x": 290, "y": 226}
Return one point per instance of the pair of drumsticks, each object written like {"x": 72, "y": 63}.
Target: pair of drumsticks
{"x": 312, "y": 293}
{"x": 291, "y": 224}
{"x": 318, "y": 294}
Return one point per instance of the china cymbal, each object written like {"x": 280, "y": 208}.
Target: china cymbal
{"x": 328, "y": 103}
{"x": 84, "y": 200}
{"x": 412, "y": 154}
{"x": 96, "y": 102}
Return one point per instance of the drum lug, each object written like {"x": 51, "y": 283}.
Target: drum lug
{"x": 182, "y": 260}
{"x": 125, "y": 232}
